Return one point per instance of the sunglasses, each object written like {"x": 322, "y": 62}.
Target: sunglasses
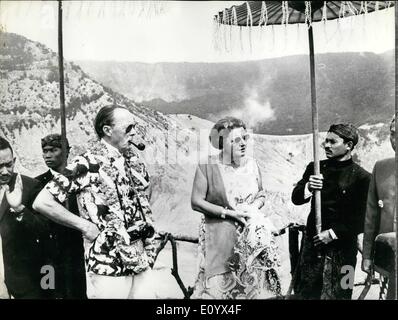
{"x": 237, "y": 140}
{"x": 129, "y": 128}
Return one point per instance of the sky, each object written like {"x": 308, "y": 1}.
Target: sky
{"x": 183, "y": 31}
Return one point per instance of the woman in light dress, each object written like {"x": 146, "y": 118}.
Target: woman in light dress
{"x": 237, "y": 250}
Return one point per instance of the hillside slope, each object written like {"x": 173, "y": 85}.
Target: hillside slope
{"x": 355, "y": 87}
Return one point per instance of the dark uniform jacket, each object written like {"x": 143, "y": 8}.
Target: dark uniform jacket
{"x": 343, "y": 200}
{"x": 381, "y": 204}
{"x": 66, "y": 246}
{"x": 22, "y": 242}
{"x": 379, "y": 239}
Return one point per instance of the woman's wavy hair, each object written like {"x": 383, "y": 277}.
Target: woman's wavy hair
{"x": 221, "y": 130}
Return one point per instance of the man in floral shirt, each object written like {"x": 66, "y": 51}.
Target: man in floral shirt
{"x": 111, "y": 183}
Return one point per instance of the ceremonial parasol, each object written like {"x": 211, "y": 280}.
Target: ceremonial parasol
{"x": 262, "y": 13}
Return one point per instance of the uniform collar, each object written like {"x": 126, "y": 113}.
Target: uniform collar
{"x": 339, "y": 164}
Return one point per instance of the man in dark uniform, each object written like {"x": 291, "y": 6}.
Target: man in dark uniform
{"x": 379, "y": 221}
{"x": 344, "y": 186}
{"x": 66, "y": 244}
{"x": 22, "y": 230}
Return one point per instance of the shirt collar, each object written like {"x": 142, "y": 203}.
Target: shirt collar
{"x": 339, "y": 164}
{"x": 113, "y": 152}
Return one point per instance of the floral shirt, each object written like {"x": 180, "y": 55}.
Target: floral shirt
{"x": 110, "y": 189}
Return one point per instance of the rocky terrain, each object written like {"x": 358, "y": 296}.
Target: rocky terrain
{"x": 29, "y": 109}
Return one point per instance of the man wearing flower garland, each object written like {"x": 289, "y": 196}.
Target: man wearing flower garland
{"x": 111, "y": 183}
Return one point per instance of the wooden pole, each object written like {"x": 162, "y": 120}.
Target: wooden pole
{"x": 61, "y": 80}
{"x": 315, "y": 131}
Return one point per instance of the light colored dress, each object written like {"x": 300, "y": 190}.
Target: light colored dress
{"x": 252, "y": 265}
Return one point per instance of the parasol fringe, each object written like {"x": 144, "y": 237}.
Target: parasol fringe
{"x": 264, "y": 14}
{"x": 364, "y": 23}
{"x": 225, "y": 17}
{"x": 308, "y": 14}
{"x": 285, "y": 41}
{"x": 234, "y": 17}
{"x": 325, "y": 34}
{"x": 362, "y": 8}
{"x": 225, "y": 21}
{"x": 342, "y": 10}
{"x": 324, "y": 12}
{"x": 228, "y": 18}
{"x": 230, "y": 38}
{"x": 285, "y": 13}
{"x": 352, "y": 8}
{"x": 250, "y": 40}
{"x": 234, "y": 22}
{"x": 123, "y": 9}
{"x": 249, "y": 15}
{"x": 216, "y": 32}
{"x": 273, "y": 37}
{"x": 220, "y": 37}
{"x": 249, "y": 23}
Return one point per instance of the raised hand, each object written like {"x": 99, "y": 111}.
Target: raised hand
{"x": 14, "y": 198}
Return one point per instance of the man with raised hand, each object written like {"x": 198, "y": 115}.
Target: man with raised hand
{"x": 23, "y": 231}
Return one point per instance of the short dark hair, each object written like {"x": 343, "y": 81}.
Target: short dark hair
{"x": 54, "y": 140}
{"x": 346, "y": 131}
{"x": 4, "y": 144}
{"x": 104, "y": 117}
{"x": 227, "y": 123}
